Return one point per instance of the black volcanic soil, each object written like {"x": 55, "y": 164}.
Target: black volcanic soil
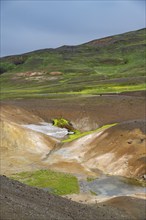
{"x": 21, "y": 202}
{"x": 87, "y": 112}
{"x": 132, "y": 206}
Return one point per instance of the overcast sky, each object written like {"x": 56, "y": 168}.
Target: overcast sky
{"x": 28, "y": 25}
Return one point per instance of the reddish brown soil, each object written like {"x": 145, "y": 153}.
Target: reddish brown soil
{"x": 87, "y": 113}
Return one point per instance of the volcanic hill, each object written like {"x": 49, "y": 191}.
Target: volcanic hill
{"x": 98, "y": 89}
{"x": 112, "y": 64}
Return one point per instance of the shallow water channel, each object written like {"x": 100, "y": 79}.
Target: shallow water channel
{"x": 48, "y": 129}
{"x": 109, "y": 186}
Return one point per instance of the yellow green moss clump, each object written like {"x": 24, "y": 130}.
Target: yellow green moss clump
{"x": 77, "y": 134}
{"x": 63, "y": 123}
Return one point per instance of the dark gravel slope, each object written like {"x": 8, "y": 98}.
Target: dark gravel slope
{"x": 21, "y": 202}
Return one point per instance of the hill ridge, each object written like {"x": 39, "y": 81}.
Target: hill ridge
{"x": 78, "y": 70}
{"x": 73, "y": 46}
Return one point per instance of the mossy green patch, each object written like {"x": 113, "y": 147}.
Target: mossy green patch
{"x": 78, "y": 134}
{"x": 59, "y": 183}
{"x": 60, "y": 122}
{"x": 63, "y": 123}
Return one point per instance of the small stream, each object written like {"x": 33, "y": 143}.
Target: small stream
{"x": 48, "y": 129}
{"x": 108, "y": 186}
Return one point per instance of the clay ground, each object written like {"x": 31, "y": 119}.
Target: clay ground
{"x": 87, "y": 112}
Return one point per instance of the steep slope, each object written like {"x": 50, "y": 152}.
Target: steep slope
{"x": 119, "y": 150}
{"x": 85, "y": 69}
{"x": 132, "y": 206}
{"x": 22, "y": 149}
{"x": 116, "y": 151}
{"x": 19, "y": 201}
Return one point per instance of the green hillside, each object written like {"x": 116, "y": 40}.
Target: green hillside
{"x": 112, "y": 64}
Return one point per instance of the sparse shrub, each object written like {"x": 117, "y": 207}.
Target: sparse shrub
{"x": 18, "y": 60}
{"x": 5, "y": 67}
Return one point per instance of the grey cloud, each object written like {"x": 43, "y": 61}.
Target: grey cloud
{"x": 40, "y": 24}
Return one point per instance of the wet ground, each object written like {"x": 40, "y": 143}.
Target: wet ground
{"x": 48, "y": 129}
{"x": 110, "y": 186}
{"x": 19, "y": 201}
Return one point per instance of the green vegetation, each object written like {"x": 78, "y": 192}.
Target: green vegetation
{"x": 63, "y": 123}
{"x": 59, "y": 183}
{"x": 93, "y": 193}
{"x": 135, "y": 182}
{"x": 85, "y": 69}
{"x": 79, "y": 134}
{"x": 6, "y": 66}
{"x": 90, "y": 179}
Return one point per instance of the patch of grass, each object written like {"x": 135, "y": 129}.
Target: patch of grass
{"x": 79, "y": 134}
{"x": 113, "y": 89}
{"x": 60, "y": 183}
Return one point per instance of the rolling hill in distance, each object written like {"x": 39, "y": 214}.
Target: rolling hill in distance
{"x": 93, "y": 95}
{"x": 109, "y": 65}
